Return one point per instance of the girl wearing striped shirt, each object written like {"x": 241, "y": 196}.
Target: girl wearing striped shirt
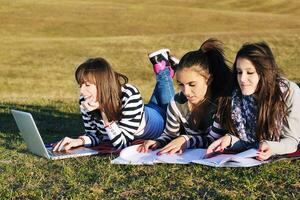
{"x": 114, "y": 110}
{"x": 202, "y": 76}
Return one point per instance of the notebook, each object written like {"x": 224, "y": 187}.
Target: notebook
{"x": 242, "y": 159}
{"x": 131, "y": 156}
{"x": 30, "y": 134}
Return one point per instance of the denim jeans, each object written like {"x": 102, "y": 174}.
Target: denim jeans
{"x": 163, "y": 91}
{"x": 156, "y": 109}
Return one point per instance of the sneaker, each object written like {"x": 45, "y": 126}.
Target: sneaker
{"x": 160, "y": 61}
{"x": 174, "y": 62}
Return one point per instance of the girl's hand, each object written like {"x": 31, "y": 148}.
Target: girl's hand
{"x": 67, "y": 143}
{"x": 218, "y": 146}
{"x": 177, "y": 145}
{"x": 148, "y": 144}
{"x": 264, "y": 151}
{"x": 90, "y": 103}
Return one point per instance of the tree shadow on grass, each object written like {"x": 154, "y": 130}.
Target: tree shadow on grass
{"x": 52, "y": 123}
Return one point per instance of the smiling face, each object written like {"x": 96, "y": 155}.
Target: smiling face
{"x": 88, "y": 91}
{"x": 192, "y": 84}
{"x": 247, "y": 76}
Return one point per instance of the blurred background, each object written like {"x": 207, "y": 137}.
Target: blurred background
{"x": 42, "y": 42}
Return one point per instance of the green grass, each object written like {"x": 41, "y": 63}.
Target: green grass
{"x": 42, "y": 42}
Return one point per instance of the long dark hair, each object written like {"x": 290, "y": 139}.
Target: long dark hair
{"x": 272, "y": 109}
{"x": 208, "y": 59}
{"x": 108, "y": 82}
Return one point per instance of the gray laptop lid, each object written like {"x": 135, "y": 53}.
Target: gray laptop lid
{"x": 35, "y": 144}
{"x": 30, "y": 133}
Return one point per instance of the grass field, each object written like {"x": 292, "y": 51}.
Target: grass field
{"x": 42, "y": 42}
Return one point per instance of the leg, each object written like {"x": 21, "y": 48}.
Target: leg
{"x": 164, "y": 90}
{"x": 155, "y": 122}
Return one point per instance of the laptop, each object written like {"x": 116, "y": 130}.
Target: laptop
{"x": 30, "y": 134}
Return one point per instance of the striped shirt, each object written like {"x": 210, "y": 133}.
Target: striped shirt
{"x": 179, "y": 123}
{"x": 120, "y": 132}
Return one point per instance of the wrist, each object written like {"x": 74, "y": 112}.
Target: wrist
{"x": 230, "y": 140}
{"x": 108, "y": 124}
{"x": 183, "y": 138}
{"x": 80, "y": 141}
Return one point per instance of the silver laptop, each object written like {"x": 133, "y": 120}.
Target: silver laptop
{"x": 35, "y": 144}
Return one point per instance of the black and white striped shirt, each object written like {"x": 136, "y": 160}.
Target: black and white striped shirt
{"x": 179, "y": 123}
{"x": 120, "y": 132}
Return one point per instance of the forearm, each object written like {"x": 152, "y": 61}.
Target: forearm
{"x": 237, "y": 144}
{"x": 165, "y": 138}
{"x": 204, "y": 140}
{"x": 119, "y": 137}
{"x": 91, "y": 138}
{"x": 200, "y": 141}
{"x": 290, "y": 135}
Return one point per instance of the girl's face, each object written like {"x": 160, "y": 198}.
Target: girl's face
{"x": 88, "y": 91}
{"x": 192, "y": 84}
{"x": 247, "y": 76}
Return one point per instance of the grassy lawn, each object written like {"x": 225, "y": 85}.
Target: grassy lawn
{"x": 42, "y": 42}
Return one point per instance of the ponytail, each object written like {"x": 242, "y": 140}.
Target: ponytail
{"x": 210, "y": 58}
{"x": 221, "y": 73}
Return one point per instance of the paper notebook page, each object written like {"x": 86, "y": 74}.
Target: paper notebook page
{"x": 246, "y": 158}
{"x": 243, "y": 162}
{"x": 240, "y": 157}
{"x": 187, "y": 157}
{"x": 250, "y": 153}
{"x": 217, "y": 160}
{"x": 133, "y": 156}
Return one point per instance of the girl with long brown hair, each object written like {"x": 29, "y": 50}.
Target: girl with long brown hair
{"x": 114, "y": 110}
{"x": 264, "y": 109}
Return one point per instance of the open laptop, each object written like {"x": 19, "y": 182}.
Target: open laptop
{"x": 35, "y": 144}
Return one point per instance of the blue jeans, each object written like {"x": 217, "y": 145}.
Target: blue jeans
{"x": 156, "y": 109}
{"x": 163, "y": 91}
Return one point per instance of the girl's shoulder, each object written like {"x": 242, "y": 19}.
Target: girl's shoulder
{"x": 129, "y": 89}
{"x": 287, "y": 85}
{"x": 291, "y": 91}
{"x": 293, "y": 86}
{"x": 180, "y": 104}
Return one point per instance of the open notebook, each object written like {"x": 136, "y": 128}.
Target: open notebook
{"x": 130, "y": 155}
{"x": 243, "y": 159}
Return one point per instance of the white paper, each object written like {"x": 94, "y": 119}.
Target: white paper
{"x": 187, "y": 157}
{"x": 131, "y": 156}
{"x": 243, "y": 159}
{"x": 214, "y": 161}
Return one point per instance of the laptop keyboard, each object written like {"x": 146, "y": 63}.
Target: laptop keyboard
{"x": 58, "y": 153}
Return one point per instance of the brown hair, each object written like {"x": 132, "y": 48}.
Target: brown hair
{"x": 272, "y": 109}
{"x": 108, "y": 82}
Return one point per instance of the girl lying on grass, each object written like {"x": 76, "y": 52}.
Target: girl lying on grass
{"x": 264, "y": 109}
{"x": 202, "y": 76}
{"x": 114, "y": 110}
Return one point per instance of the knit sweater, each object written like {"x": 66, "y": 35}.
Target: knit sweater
{"x": 179, "y": 123}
